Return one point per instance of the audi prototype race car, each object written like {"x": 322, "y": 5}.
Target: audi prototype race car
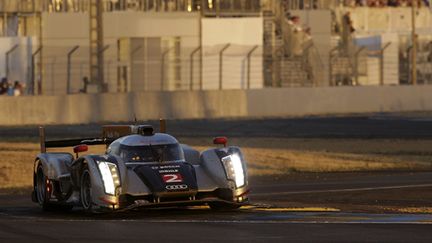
{"x": 140, "y": 168}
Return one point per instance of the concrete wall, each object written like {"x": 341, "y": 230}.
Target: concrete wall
{"x": 62, "y": 31}
{"x": 156, "y": 31}
{"x": 81, "y": 108}
{"x": 240, "y": 31}
{"x": 393, "y": 20}
{"x": 243, "y": 34}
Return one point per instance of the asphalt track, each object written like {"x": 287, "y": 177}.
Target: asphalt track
{"x": 389, "y": 126}
{"x": 267, "y": 219}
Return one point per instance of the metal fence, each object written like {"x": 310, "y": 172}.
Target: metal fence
{"x": 424, "y": 61}
{"x": 61, "y": 70}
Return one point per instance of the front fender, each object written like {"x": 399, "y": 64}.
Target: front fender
{"x": 213, "y": 167}
{"x": 98, "y": 191}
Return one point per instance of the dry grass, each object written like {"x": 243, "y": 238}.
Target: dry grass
{"x": 281, "y": 161}
{"x": 267, "y": 157}
{"x": 16, "y": 164}
{"x": 426, "y": 210}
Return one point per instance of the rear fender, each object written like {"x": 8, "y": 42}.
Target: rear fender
{"x": 54, "y": 164}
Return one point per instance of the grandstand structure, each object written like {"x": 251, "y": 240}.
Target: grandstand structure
{"x": 153, "y": 45}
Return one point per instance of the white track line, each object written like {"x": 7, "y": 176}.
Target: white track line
{"x": 341, "y": 190}
{"x": 396, "y": 118}
{"x": 341, "y": 220}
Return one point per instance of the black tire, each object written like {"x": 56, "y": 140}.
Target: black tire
{"x": 86, "y": 191}
{"x": 219, "y": 206}
{"x": 40, "y": 191}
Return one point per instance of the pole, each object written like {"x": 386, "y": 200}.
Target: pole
{"x": 217, "y": 8}
{"x": 69, "y": 58}
{"x": 96, "y": 44}
{"x": 408, "y": 68}
{"x": 33, "y": 63}
{"x": 414, "y": 44}
{"x": 163, "y": 68}
{"x": 248, "y": 64}
{"x": 128, "y": 75}
{"x": 200, "y": 44}
{"x": 7, "y": 58}
{"x": 162, "y": 125}
{"x": 382, "y": 63}
{"x": 103, "y": 84}
{"x": 331, "y": 65}
{"x": 192, "y": 67}
{"x": 42, "y": 139}
{"x": 221, "y": 64}
{"x": 356, "y": 62}
{"x": 41, "y": 60}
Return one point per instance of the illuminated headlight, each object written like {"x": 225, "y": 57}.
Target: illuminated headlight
{"x": 110, "y": 176}
{"x": 234, "y": 169}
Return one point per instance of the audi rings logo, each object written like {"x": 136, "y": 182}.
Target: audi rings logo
{"x": 176, "y": 187}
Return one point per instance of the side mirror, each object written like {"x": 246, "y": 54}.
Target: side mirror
{"x": 220, "y": 141}
{"x": 80, "y": 148}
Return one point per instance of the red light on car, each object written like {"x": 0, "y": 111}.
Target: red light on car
{"x": 80, "y": 148}
{"x": 220, "y": 140}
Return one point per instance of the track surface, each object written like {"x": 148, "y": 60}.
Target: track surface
{"x": 268, "y": 220}
{"x": 22, "y": 221}
{"x": 370, "y": 126}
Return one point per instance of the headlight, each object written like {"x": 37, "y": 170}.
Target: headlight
{"x": 110, "y": 176}
{"x": 234, "y": 169}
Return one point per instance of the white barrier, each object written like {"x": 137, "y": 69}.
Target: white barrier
{"x": 117, "y": 107}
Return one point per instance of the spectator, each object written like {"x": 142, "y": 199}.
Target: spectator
{"x": 392, "y": 3}
{"x": 348, "y": 23}
{"x": 17, "y": 88}
{"x": 294, "y": 23}
{"x": 4, "y": 86}
{"x": 386, "y": 3}
{"x": 86, "y": 83}
{"x": 347, "y": 31}
{"x": 10, "y": 91}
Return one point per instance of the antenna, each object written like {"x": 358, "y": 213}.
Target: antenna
{"x": 162, "y": 125}
{"x": 135, "y": 120}
{"x": 42, "y": 139}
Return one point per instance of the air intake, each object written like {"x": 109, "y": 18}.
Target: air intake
{"x": 145, "y": 130}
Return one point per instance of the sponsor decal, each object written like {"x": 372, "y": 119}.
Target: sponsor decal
{"x": 163, "y": 167}
{"x": 168, "y": 171}
{"x": 176, "y": 187}
{"x": 172, "y": 178}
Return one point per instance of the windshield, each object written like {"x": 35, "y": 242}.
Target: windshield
{"x": 151, "y": 153}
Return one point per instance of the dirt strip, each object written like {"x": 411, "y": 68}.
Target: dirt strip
{"x": 266, "y": 156}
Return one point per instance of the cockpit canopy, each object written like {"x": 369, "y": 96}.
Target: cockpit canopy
{"x": 157, "y": 148}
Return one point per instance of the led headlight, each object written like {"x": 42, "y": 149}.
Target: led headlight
{"x": 110, "y": 176}
{"x": 234, "y": 169}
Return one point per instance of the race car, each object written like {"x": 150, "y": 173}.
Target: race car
{"x": 140, "y": 168}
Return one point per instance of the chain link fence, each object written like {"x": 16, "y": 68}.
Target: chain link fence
{"x": 55, "y": 70}
{"x": 61, "y": 70}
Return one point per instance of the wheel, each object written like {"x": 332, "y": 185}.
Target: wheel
{"x": 219, "y": 206}
{"x": 86, "y": 191}
{"x": 40, "y": 187}
{"x": 41, "y": 193}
